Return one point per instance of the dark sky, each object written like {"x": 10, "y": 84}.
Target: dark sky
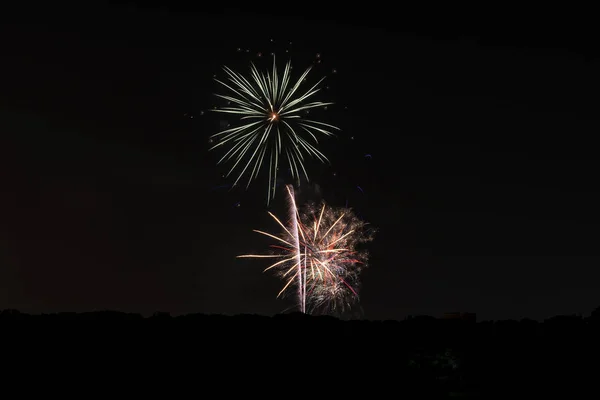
{"x": 482, "y": 181}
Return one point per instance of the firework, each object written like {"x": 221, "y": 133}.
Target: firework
{"x": 316, "y": 256}
{"x": 272, "y": 124}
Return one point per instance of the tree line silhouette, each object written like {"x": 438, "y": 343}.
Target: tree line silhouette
{"x": 436, "y": 357}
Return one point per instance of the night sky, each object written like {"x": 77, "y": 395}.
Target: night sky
{"x": 481, "y": 180}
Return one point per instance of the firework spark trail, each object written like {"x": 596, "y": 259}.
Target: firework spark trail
{"x": 294, "y": 221}
{"x": 272, "y": 123}
{"x": 319, "y": 253}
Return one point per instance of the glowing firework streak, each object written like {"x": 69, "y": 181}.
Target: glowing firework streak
{"x": 294, "y": 222}
{"x": 319, "y": 253}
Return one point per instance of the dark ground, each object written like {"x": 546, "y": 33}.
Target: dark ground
{"x": 421, "y": 355}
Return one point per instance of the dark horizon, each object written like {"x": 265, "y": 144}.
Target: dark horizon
{"x": 480, "y": 180}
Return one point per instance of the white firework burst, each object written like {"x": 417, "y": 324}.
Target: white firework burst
{"x": 272, "y": 124}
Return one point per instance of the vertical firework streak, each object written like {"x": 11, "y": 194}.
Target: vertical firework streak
{"x": 294, "y": 221}
{"x": 320, "y": 256}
